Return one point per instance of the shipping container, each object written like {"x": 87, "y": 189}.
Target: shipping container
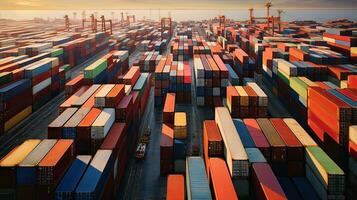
{"x": 175, "y": 187}
{"x": 26, "y": 172}
{"x": 53, "y": 166}
{"x": 55, "y": 127}
{"x": 180, "y": 125}
{"x": 278, "y": 147}
{"x": 94, "y": 180}
{"x": 258, "y": 137}
{"x": 69, "y": 182}
{"x": 196, "y": 179}
{"x": 265, "y": 182}
{"x": 223, "y": 188}
{"x": 9, "y": 163}
{"x": 236, "y": 157}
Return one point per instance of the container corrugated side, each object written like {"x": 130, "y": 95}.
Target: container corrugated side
{"x": 196, "y": 179}
{"x": 95, "y": 177}
{"x": 102, "y": 124}
{"x": 236, "y": 157}
{"x": 69, "y": 182}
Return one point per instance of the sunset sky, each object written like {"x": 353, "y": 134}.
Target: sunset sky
{"x": 169, "y": 4}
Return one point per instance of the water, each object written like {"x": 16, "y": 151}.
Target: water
{"x": 181, "y": 15}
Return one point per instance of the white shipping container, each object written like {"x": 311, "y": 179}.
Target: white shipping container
{"x": 103, "y": 123}
{"x": 99, "y": 98}
{"x": 262, "y": 97}
{"x": 42, "y": 85}
{"x": 236, "y": 157}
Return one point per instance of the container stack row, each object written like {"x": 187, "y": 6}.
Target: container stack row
{"x": 172, "y": 76}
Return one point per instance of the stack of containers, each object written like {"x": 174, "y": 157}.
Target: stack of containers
{"x": 97, "y": 180}
{"x": 69, "y": 182}
{"x": 235, "y": 154}
{"x": 115, "y": 141}
{"x": 172, "y": 76}
{"x": 148, "y": 61}
{"x": 211, "y": 80}
{"x": 44, "y": 78}
{"x": 247, "y": 101}
{"x": 80, "y": 49}
{"x": 167, "y": 149}
{"x": 15, "y": 103}
{"x": 173, "y": 139}
{"x": 343, "y": 41}
{"x": 53, "y": 167}
{"x": 196, "y": 179}
{"x": 325, "y": 176}
{"x": 243, "y": 65}
{"x": 182, "y": 48}
{"x": 97, "y": 71}
{"x": 8, "y": 166}
{"x": 212, "y": 141}
{"x": 329, "y": 116}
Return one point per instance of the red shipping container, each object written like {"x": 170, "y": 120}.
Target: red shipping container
{"x": 352, "y": 81}
{"x": 187, "y": 73}
{"x": 222, "y": 67}
{"x": 169, "y": 108}
{"x": 221, "y": 180}
{"x": 132, "y": 76}
{"x": 175, "y": 187}
{"x": 295, "y": 150}
{"x": 212, "y": 139}
{"x": 265, "y": 183}
{"x": 124, "y": 108}
{"x": 258, "y": 137}
{"x": 73, "y": 85}
{"x": 337, "y": 108}
{"x": 167, "y": 142}
{"x": 115, "y": 142}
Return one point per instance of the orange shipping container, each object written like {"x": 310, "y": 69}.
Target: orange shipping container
{"x": 221, "y": 181}
{"x": 175, "y": 187}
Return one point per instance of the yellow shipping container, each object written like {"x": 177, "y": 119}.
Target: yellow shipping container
{"x": 19, "y": 153}
{"x": 17, "y": 118}
{"x": 244, "y": 98}
{"x": 180, "y": 125}
{"x": 353, "y": 50}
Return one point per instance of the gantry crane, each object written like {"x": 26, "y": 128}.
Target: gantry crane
{"x": 93, "y": 22}
{"x": 66, "y": 22}
{"x": 130, "y": 17}
{"x": 104, "y": 28}
{"x": 270, "y": 20}
{"x": 222, "y": 23}
{"x": 166, "y": 24}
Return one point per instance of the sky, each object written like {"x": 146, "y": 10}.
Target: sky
{"x": 170, "y": 4}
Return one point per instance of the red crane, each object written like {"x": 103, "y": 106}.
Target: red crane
{"x": 66, "y": 22}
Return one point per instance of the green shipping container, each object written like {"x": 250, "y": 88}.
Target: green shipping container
{"x": 94, "y": 69}
{"x": 299, "y": 87}
{"x": 57, "y": 52}
{"x": 329, "y": 174}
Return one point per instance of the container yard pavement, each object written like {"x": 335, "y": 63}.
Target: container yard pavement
{"x": 35, "y": 126}
{"x": 142, "y": 179}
